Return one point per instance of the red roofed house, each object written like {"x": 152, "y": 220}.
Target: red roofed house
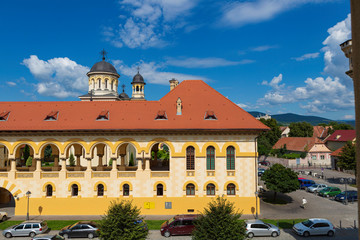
{"x": 316, "y": 151}
{"x": 169, "y": 156}
{"x": 339, "y": 138}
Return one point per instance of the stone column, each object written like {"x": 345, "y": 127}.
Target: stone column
{"x": 63, "y": 170}
{"x": 33, "y": 165}
{"x": 155, "y": 161}
{"x": 38, "y": 164}
{"x": 147, "y": 164}
{"x": 56, "y": 166}
{"x": 100, "y": 166}
{"x": 122, "y": 163}
{"x": 139, "y": 163}
{"x": 88, "y": 172}
{"x": 12, "y": 163}
{"x": 78, "y": 165}
{"x": 88, "y": 167}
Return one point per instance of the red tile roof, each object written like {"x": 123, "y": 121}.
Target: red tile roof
{"x": 301, "y": 144}
{"x": 320, "y": 132}
{"x": 342, "y": 136}
{"x": 337, "y": 152}
{"x": 197, "y": 98}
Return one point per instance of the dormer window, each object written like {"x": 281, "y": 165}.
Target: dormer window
{"x": 103, "y": 116}
{"x": 337, "y": 137}
{"x": 161, "y": 115}
{"x": 52, "y": 116}
{"x": 210, "y": 115}
{"x": 4, "y": 115}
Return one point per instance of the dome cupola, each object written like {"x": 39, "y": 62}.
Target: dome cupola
{"x": 138, "y": 87}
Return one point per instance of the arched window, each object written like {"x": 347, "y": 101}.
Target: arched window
{"x": 106, "y": 83}
{"x": 210, "y": 158}
{"x": 112, "y": 85}
{"x": 137, "y": 88}
{"x": 100, "y": 190}
{"x": 230, "y": 189}
{"x": 93, "y": 83}
{"x": 99, "y": 80}
{"x": 159, "y": 190}
{"x": 49, "y": 190}
{"x": 190, "y": 158}
{"x": 74, "y": 190}
{"x": 126, "y": 190}
{"x": 140, "y": 89}
{"x": 190, "y": 189}
{"x": 210, "y": 189}
{"x": 230, "y": 158}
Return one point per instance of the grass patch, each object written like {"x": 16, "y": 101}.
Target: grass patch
{"x": 6, "y": 224}
{"x": 283, "y": 223}
{"x": 154, "y": 224}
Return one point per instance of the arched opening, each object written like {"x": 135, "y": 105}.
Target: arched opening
{"x": 190, "y": 158}
{"x": 230, "y": 189}
{"x": 24, "y": 157}
{"x": 210, "y": 158}
{"x": 230, "y": 158}
{"x": 50, "y": 158}
{"x": 100, "y": 160}
{"x": 160, "y": 157}
{"x": 99, "y": 84}
{"x": 112, "y": 85}
{"x": 126, "y": 157}
{"x": 7, "y": 201}
{"x": 100, "y": 190}
{"x": 74, "y": 190}
{"x": 190, "y": 189}
{"x": 49, "y": 190}
{"x": 159, "y": 190}
{"x": 106, "y": 83}
{"x": 210, "y": 189}
{"x": 4, "y": 159}
{"x": 75, "y": 155}
{"x": 126, "y": 189}
{"x": 137, "y": 88}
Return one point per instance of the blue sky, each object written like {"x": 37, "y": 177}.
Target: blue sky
{"x": 273, "y": 56}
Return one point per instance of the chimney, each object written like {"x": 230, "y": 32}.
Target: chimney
{"x": 173, "y": 83}
{"x": 178, "y": 107}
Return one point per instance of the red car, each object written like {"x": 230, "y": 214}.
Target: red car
{"x": 264, "y": 163}
{"x": 178, "y": 225}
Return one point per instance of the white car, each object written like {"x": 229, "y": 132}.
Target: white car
{"x": 316, "y": 188}
{"x": 314, "y": 226}
{"x": 3, "y": 216}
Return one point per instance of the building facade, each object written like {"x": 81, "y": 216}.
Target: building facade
{"x": 169, "y": 156}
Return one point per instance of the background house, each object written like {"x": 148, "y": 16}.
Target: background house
{"x": 339, "y": 138}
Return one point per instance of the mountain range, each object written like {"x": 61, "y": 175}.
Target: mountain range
{"x": 287, "y": 118}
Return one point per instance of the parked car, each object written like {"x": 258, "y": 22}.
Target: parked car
{"x": 304, "y": 183}
{"x": 261, "y": 171}
{"x": 49, "y": 237}
{"x": 87, "y": 229}
{"x": 178, "y": 225}
{"x": 259, "y": 228}
{"x": 314, "y": 226}
{"x": 3, "y": 216}
{"x": 316, "y": 188}
{"x": 264, "y": 163}
{"x": 349, "y": 195}
{"x": 27, "y": 228}
{"x": 330, "y": 192}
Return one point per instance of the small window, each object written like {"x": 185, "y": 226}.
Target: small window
{"x": 28, "y": 226}
{"x": 126, "y": 190}
{"x": 210, "y": 158}
{"x": 190, "y": 158}
{"x": 210, "y": 115}
{"x": 36, "y": 225}
{"x": 313, "y": 157}
{"x": 159, "y": 190}
{"x": 84, "y": 226}
{"x": 4, "y": 115}
{"x": 230, "y": 189}
{"x": 190, "y": 189}
{"x": 52, "y": 116}
{"x": 104, "y": 115}
{"x": 322, "y": 157}
{"x": 74, "y": 190}
{"x": 161, "y": 115}
{"x": 19, "y": 227}
{"x": 230, "y": 158}
{"x": 49, "y": 190}
{"x": 100, "y": 190}
{"x": 210, "y": 189}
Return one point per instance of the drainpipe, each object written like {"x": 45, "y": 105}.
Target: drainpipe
{"x": 256, "y": 178}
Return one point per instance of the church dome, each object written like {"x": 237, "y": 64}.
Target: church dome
{"x": 103, "y": 66}
{"x": 124, "y": 96}
{"x": 138, "y": 79}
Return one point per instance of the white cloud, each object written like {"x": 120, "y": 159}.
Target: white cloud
{"x": 336, "y": 64}
{"x": 58, "y": 77}
{"x": 205, "y": 62}
{"x": 151, "y": 72}
{"x": 149, "y": 22}
{"x": 274, "y": 83}
{"x": 240, "y": 13}
{"x": 307, "y": 56}
{"x": 247, "y": 106}
{"x": 11, "y": 84}
{"x": 349, "y": 117}
{"x": 263, "y": 48}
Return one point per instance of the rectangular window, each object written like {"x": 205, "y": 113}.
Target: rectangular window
{"x": 322, "y": 157}
{"x": 313, "y": 157}
{"x": 210, "y": 158}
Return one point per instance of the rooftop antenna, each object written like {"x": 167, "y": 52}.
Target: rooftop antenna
{"x": 103, "y": 53}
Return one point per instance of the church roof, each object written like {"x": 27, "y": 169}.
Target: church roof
{"x": 103, "y": 66}
{"x": 197, "y": 98}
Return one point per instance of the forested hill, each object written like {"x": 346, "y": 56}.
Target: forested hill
{"x": 287, "y": 118}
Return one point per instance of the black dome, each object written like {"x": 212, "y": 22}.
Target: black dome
{"x": 103, "y": 66}
{"x": 138, "y": 79}
{"x": 124, "y": 96}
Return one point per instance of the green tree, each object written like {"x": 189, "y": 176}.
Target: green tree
{"x": 47, "y": 152}
{"x": 26, "y": 152}
{"x": 280, "y": 179}
{"x": 268, "y": 139}
{"x": 122, "y": 221}
{"x": 347, "y": 157}
{"x": 301, "y": 129}
{"x": 29, "y": 161}
{"x": 131, "y": 161}
{"x": 72, "y": 160}
{"x": 338, "y": 126}
{"x": 219, "y": 220}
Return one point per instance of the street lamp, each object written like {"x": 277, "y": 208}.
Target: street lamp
{"x": 346, "y": 181}
{"x": 28, "y": 193}
{"x": 256, "y": 206}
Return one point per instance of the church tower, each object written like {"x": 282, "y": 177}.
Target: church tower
{"x": 138, "y": 87}
{"x": 103, "y": 82}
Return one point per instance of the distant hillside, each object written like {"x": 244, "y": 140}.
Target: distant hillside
{"x": 287, "y": 118}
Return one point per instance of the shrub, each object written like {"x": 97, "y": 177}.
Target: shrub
{"x": 72, "y": 160}
{"x": 131, "y": 161}
{"x": 29, "y": 161}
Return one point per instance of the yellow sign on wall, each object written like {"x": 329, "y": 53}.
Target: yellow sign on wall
{"x": 149, "y": 205}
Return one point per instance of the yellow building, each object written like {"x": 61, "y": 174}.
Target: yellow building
{"x": 169, "y": 156}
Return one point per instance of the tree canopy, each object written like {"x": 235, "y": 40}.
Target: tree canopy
{"x": 268, "y": 139}
{"x": 339, "y": 126}
{"x": 347, "y": 157}
{"x": 301, "y": 129}
{"x": 280, "y": 179}
{"x": 219, "y": 220}
{"x": 122, "y": 221}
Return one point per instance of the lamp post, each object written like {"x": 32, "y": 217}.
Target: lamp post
{"x": 346, "y": 181}
{"x": 28, "y": 193}
{"x": 256, "y": 210}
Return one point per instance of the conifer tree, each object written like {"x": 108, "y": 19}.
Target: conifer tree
{"x": 72, "y": 160}
{"x": 131, "y": 161}
{"x": 29, "y": 161}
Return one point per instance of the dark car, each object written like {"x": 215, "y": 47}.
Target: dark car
{"x": 349, "y": 195}
{"x": 264, "y": 163}
{"x": 305, "y": 183}
{"x": 80, "y": 229}
{"x": 179, "y": 225}
{"x": 261, "y": 171}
